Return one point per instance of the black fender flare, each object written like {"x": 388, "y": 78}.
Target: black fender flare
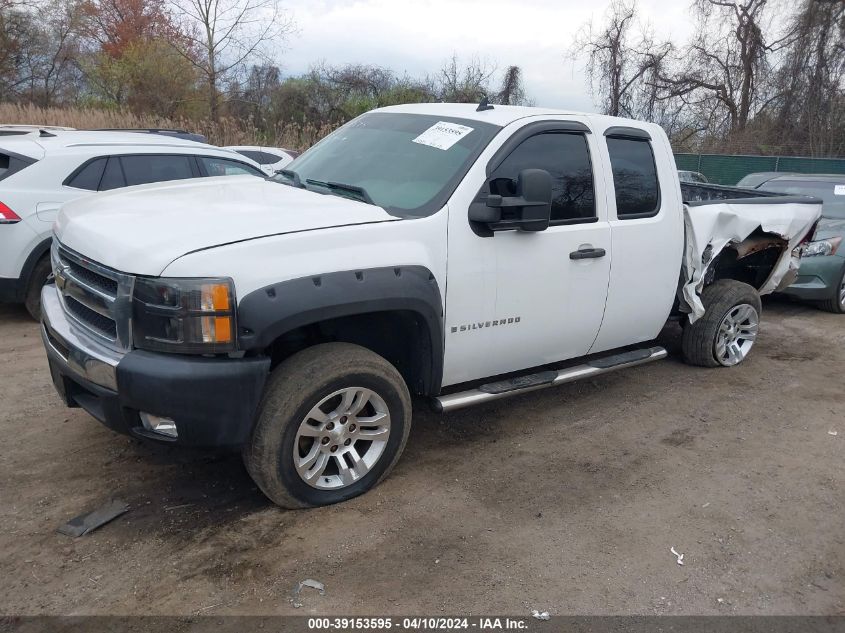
{"x": 267, "y": 313}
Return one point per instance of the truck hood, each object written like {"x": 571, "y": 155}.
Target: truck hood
{"x": 140, "y": 230}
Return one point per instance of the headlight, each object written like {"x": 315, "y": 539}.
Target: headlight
{"x": 188, "y": 316}
{"x": 822, "y": 247}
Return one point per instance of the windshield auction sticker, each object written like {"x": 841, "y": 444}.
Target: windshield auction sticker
{"x": 839, "y": 190}
{"x": 443, "y": 135}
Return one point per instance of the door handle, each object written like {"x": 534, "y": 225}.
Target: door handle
{"x": 587, "y": 253}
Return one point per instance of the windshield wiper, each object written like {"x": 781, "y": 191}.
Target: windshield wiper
{"x": 359, "y": 192}
{"x": 295, "y": 181}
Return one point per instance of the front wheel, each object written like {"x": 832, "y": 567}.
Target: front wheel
{"x": 726, "y": 333}
{"x": 332, "y": 424}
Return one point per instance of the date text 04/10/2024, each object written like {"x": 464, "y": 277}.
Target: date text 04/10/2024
{"x": 418, "y": 624}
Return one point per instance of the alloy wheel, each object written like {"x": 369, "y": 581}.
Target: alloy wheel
{"x": 736, "y": 334}
{"x": 341, "y": 438}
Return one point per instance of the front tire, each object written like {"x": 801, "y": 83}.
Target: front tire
{"x": 37, "y": 279}
{"x": 333, "y": 422}
{"x": 724, "y": 336}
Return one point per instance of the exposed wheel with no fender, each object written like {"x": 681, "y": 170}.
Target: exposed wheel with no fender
{"x": 726, "y": 333}
{"x": 333, "y": 422}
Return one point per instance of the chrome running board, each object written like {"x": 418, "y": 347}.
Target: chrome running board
{"x": 541, "y": 380}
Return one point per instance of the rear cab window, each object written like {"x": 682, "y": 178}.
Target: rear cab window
{"x": 635, "y": 179}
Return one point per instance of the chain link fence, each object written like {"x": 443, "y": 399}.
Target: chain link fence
{"x": 728, "y": 170}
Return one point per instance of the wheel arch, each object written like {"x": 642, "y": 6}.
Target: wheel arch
{"x": 751, "y": 261}
{"x": 41, "y": 249}
{"x": 394, "y": 311}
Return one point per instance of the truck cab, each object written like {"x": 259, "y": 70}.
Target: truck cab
{"x": 448, "y": 251}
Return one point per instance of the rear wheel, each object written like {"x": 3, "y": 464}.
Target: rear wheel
{"x": 726, "y": 333}
{"x": 37, "y": 279}
{"x": 836, "y": 303}
{"x": 333, "y": 422}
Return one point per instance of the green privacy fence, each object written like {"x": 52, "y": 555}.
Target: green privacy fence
{"x": 728, "y": 170}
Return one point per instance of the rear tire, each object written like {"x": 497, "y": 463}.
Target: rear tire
{"x": 732, "y": 313}
{"x": 836, "y": 304}
{"x": 333, "y": 422}
{"x": 37, "y": 279}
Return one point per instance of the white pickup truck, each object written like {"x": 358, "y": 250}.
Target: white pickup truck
{"x": 454, "y": 252}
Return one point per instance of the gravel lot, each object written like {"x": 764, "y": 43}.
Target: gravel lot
{"x": 566, "y": 500}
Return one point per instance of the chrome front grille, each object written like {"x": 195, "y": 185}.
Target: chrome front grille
{"x": 94, "y": 297}
{"x": 96, "y": 280}
{"x": 102, "y": 324}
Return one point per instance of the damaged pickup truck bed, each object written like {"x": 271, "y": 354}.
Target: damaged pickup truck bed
{"x": 459, "y": 253}
{"x": 725, "y": 238}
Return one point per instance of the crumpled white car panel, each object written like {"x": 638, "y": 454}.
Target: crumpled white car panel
{"x": 722, "y": 224}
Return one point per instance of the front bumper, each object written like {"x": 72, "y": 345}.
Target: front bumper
{"x": 818, "y": 278}
{"x": 213, "y": 401}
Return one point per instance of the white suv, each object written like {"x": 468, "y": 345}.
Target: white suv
{"x": 42, "y": 170}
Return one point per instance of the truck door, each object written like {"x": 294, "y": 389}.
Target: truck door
{"x": 646, "y": 221}
{"x": 538, "y": 297}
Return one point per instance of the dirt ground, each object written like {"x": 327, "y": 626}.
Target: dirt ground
{"x": 566, "y": 500}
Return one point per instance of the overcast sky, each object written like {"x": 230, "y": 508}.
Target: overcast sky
{"x": 417, "y": 37}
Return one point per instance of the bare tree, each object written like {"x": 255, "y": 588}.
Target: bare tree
{"x": 463, "y": 83}
{"x": 251, "y": 95}
{"x": 811, "y": 81}
{"x": 727, "y": 66}
{"x": 18, "y": 32}
{"x": 512, "y": 90}
{"x": 223, "y": 35}
{"x": 360, "y": 79}
{"x": 623, "y": 57}
{"x": 51, "y": 58}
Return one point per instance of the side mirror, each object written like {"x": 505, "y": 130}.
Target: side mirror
{"x": 531, "y": 206}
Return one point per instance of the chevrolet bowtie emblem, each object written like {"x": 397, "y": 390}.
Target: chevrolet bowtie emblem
{"x": 61, "y": 280}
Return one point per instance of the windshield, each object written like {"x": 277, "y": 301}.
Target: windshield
{"x": 832, "y": 193}
{"x": 409, "y": 164}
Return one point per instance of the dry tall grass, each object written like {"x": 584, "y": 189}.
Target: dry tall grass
{"x": 226, "y": 132}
